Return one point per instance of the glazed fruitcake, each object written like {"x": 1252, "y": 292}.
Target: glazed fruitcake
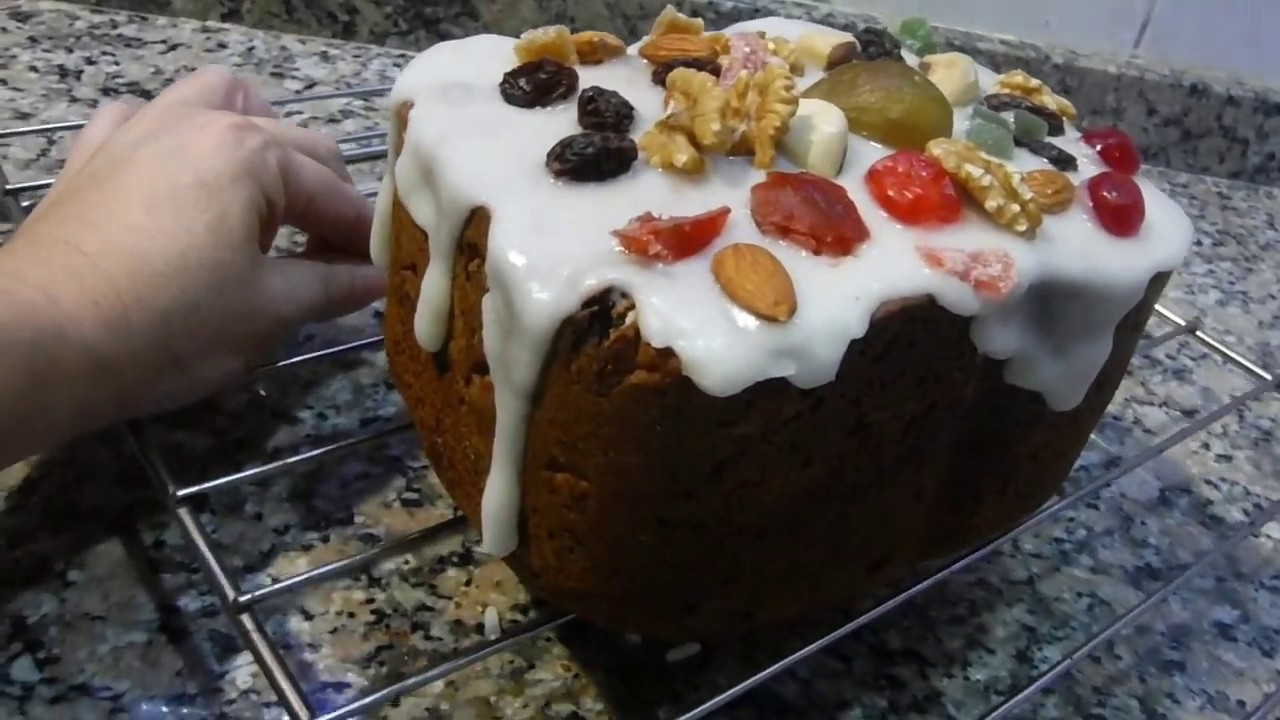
{"x": 723, "y": 327}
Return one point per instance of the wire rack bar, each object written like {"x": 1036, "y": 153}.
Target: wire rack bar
{"x": 1270, "y": 706}
{"x": 302, "y": 459}
{"x": 323, "y": 354}
{"x": 350, "y": 565}
{"x": 66, "y": 126}
{"x": 1131, "y": 616}
{"x": 1217, "y": 346}
{"x": 240, "y": 606}
{"x": 1156, "y": 341}
{"x": 10, "y": 207}
{"x": 483, "y": 651}
{"x": 246, "y": 622}
{"x": 351, "y": 157}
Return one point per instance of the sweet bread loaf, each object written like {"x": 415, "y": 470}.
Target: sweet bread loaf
{"x": 700, "y": 341}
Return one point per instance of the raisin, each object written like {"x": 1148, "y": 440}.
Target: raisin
{"x": 605, "y": 110}
{"x": 1060, "y": 159}
{"x": 538, "y": 83}
{"x": 1004, "y": 102}
{"x": 592, "y": 156}
{"x": 879, "y": 44}
{"x": 660, "y": 73}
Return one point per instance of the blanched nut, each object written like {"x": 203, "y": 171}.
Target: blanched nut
{"x": 672, "y": 22}
{"x": 818, "y": 138}
{"x": 813, "y": 47}
{"x": 955, "y": 74}
{"x": 552, "y": 42}
{"x": 1001, "y": 191}
{"x": 1018, "y": 82}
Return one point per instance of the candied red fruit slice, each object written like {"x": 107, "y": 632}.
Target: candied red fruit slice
{"x": 668, "y": 239}
{"x": 914, "y": 189}
{"x": 808, "y": 211}
{"x": 1115, "y": 148}
{"x": 989, "y": 272}
{"x": 1117, "y": 201}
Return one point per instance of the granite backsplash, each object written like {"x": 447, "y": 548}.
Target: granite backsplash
{"x": 1184, "y": 121}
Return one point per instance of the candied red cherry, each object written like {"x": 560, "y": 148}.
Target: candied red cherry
{"x": 1115, "y": 148}
{"x": 808, "y": 211}
{"x": 914, "y": 189}
{"x": 669, "y": 239}
{"x": 1117, "y": 201}
{"x": 989, "y": 272}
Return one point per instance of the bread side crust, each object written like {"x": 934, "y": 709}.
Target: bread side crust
{"x": 650, "y": 506}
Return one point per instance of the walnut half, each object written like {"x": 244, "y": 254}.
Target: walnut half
{"x": 1019, "y": 82}
{"x": 749, "y": 117}
{"x": 1001, "y": 191}
{"x": 667, "y": 146}
{"x": 760, "y": 108}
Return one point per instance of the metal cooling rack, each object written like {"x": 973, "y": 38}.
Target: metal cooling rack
{"x": 241, "y": 606}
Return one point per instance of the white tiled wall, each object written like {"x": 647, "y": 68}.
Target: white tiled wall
{"x": 1234, "y": 36}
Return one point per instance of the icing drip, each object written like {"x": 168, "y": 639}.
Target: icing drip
{"x": 550, "y": 249}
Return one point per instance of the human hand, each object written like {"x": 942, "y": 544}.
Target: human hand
{"x": 153, "y": 242}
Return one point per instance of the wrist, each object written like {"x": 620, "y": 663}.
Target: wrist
{"x": 51, "y": 389}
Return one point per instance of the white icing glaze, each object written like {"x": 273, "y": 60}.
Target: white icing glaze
{"x": 550, "y": 248}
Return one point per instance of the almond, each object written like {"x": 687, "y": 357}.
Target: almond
{"x": 665, "y": 48}
{"x": 1054, "y": 191}
{"x": 755, "y": 280}
{"x": 595, "y": 47}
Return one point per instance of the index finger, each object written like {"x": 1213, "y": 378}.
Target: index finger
{"x": 325, "y": 206}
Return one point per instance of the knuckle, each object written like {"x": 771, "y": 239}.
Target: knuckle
{"x": 217, "y": 80}
{"x": 332, "y": 151}
{"x": 240, "y": 133}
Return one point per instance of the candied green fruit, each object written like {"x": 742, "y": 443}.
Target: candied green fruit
{"x": 916, "y": 35}
{"x": 993, "y": 139}
{"x": 1029, "y": 127}
{"x": 913, "y": 26}
{"x": 890, "y": 103}
{"x": 988, "y": 115}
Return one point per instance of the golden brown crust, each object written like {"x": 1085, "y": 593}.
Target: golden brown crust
{"x": 650, "y": 506}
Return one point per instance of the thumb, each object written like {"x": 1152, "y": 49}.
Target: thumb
{"x": 303, "y": 290}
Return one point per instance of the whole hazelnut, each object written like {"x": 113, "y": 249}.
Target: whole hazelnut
{"x": 844, "y": 53}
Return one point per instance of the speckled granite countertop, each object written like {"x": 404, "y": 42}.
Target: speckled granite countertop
{"x": 107, "y": 617}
